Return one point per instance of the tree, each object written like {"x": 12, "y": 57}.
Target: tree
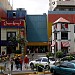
{"x": 59, "y": 54}
{"x": 22, "y": 43}
{"x": 48, "y": 54}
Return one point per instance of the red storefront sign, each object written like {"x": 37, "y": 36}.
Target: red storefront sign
{"x": 12, "y": 22}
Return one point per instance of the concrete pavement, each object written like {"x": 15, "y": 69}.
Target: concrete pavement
{"x": 36, "y": 55}
{"x": 24, "y": 71}
{"x": 27, "y": 73}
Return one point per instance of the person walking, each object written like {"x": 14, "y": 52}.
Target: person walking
{"x": 20, "y": 62}
{"x": 17, "y": 62}
{"x": 26, "y": 61}
{"x": 12, "y": 62}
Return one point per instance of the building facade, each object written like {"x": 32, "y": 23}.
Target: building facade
{"x": 37, "y": 36}
{"x": 34, "y": 27}
{"x": 12, "y": 28}
{"x": 62, "y": 5}
{"x": 64, "y": 9}
{"x": 5, "y": 4}
{"x": 68, "y": 15}
{"x": 62, "y": 30}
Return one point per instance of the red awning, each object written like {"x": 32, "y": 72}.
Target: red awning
{"x": 65, "y": 44}
{"x": 53, "y": 43}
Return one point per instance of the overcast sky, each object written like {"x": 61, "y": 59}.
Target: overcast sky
{"x": 32, "y": 6}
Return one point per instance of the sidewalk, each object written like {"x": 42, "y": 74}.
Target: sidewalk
{"x": 36, "y": 55}
{"x": 24, "y": 71}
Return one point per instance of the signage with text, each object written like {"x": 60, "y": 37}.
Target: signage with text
{"x": 12, "y": 22}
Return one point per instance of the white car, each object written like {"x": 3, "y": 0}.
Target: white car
{"x": 43, "y": 61}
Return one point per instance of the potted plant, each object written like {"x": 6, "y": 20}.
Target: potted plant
{"x": 39, "y": 67}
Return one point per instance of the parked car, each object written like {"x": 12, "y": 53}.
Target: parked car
{"x": 42, "y": 61}
{"x": 65, "y": 68}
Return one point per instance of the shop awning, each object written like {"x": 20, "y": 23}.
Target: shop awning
{"x": 66, "y": 44}
{"x": 53, "y": 43}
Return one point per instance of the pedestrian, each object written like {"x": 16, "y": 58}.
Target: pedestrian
{"x": 28, "y": 51}
{"x": 5, "y": 63}
{"x": 26, "y": 61}
{"x": 32, "y": 56}
{"x": 12, "y": 63}
{"x": 17, "y": 62}
{"x": 20, "y": 62}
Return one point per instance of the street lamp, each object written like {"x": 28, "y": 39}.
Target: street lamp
{"x": 55, "y": 33}
{"x": 50, "y": 43}
{"x": 26, "y": 42}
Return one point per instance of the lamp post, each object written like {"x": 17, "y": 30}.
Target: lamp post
{"x": 50, "y": 43}
{"x": 55, "y": 47}
{"x": 55, "y": 44}
{"x": 22, "y": 43}
{"x": 26, "y": 42}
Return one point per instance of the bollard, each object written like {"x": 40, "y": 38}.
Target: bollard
{"x": 9, "y": 72}
{"x": 1, "y": 69}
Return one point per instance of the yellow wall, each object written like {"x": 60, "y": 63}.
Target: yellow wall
{"x": 49, "y": 29}
{"x": 37, "y": 44}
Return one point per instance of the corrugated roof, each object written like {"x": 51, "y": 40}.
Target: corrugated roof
{"x": 62, "y": 20}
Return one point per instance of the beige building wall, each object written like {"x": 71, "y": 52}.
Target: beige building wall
{"x": 4, "y": 32}
{"x": 6, "y": 4}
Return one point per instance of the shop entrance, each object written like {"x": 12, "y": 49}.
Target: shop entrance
{"x": 65, "y": 50}
{"x": 11, "y": 49}
{"x": 37, "y": 49}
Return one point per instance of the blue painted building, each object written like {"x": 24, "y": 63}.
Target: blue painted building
{"x": 19, "y": 13}
{"x": 36, "y": 28}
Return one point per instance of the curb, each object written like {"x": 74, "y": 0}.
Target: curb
{"x": 33, "y": 73}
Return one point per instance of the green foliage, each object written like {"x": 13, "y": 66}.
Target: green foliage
{"x": 48, "y": 54}
{"x": 21, "y": 41}
{"x": 18, "y": 51}
{"x": 39, "y": 65}
{"x": 72, "y": 54}
{"x": 68, "y": 58}
{"x": 59, "y": 54}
